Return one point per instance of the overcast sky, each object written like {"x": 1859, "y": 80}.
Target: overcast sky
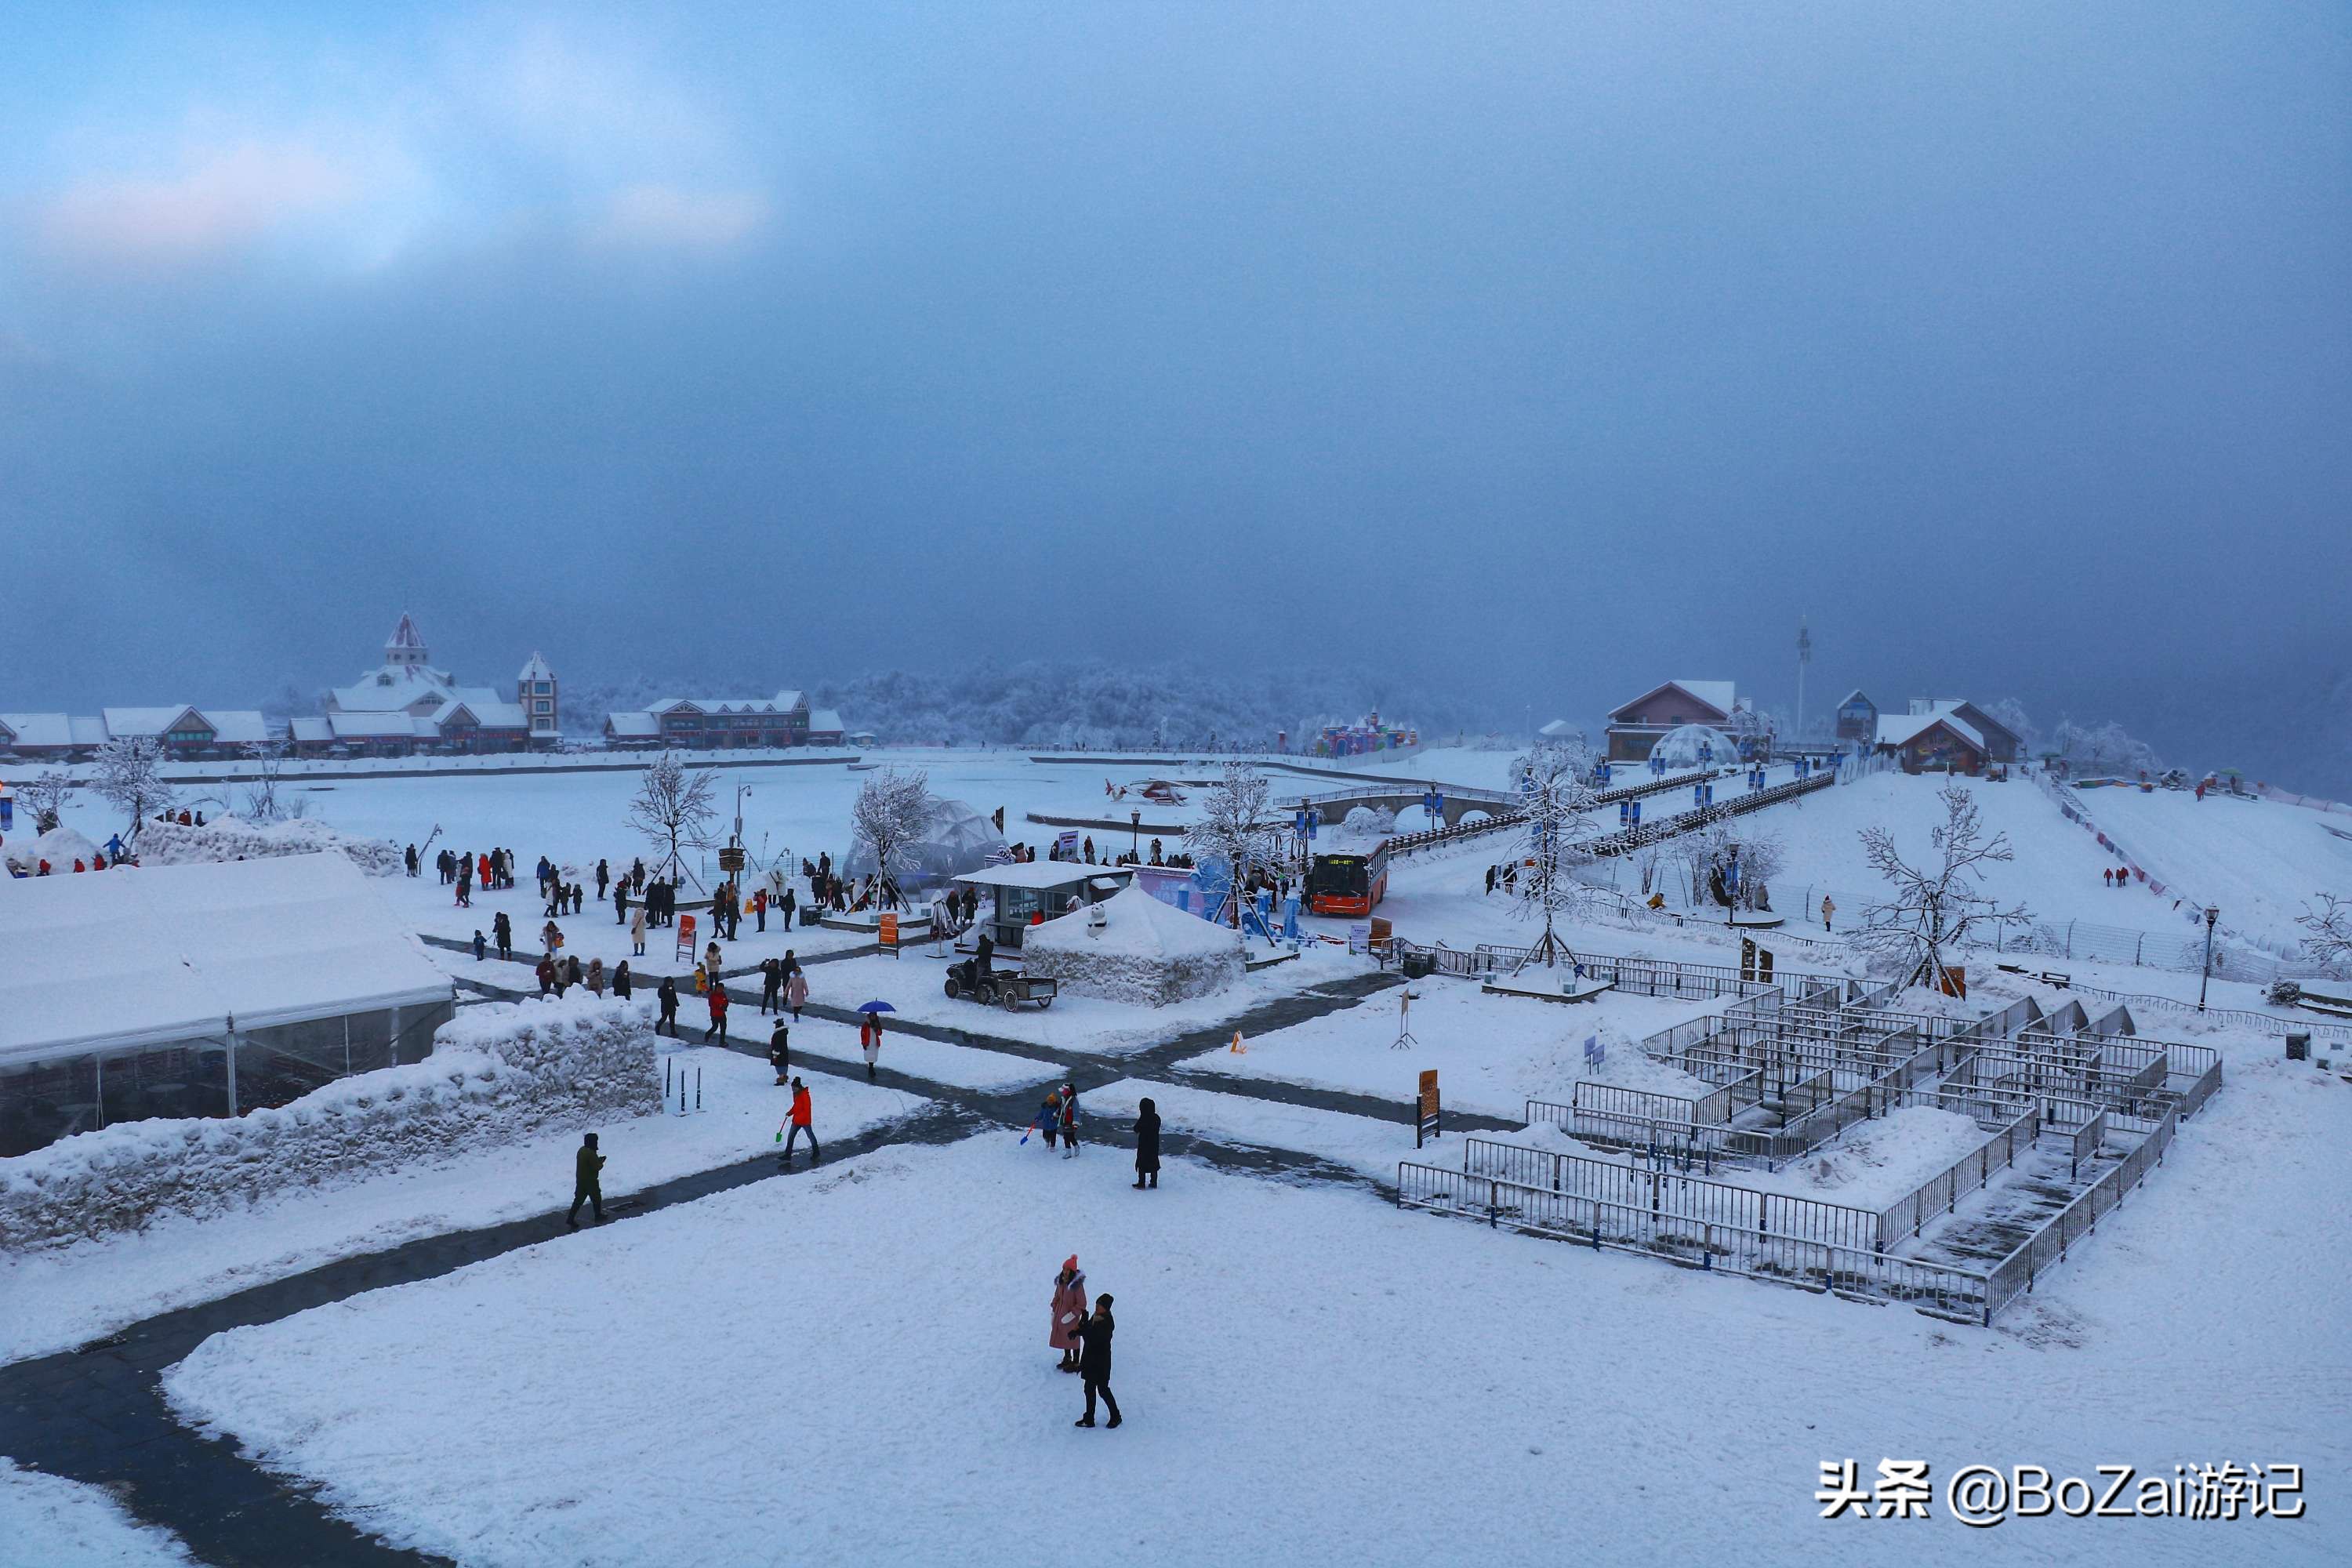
{"x": 1543, "y": 350}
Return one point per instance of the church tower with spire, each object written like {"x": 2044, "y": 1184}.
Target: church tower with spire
{"x": 535, "y": 690}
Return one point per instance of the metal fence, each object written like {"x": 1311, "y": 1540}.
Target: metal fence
{"x": 2014, "y": 1276}
{"x": 1939, "y": 1289}
{"x": 1941, "y": 1192}
{"x": 1716, "y": 1205}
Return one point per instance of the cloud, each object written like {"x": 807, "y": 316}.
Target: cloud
{"x": 225, "y": 198}
{"x": 658, "y": 216}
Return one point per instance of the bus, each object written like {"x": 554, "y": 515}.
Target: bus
{"x": 1349, "y": 882}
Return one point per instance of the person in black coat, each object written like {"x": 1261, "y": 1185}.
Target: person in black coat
{"x": 1147, "y": 1146}
{"x": 780, "y": 1051}
{"x": 623, "y": 981}
{"x": 503, "y": 932}
{"x": 669, "y": 999}
{"x": 1093, "y": 1360}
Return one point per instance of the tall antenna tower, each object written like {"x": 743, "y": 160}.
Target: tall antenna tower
{"x": 1804, "y": 658}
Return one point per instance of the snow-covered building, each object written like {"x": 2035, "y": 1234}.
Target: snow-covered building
{"x": 724, "y": 722}
{"x": 1130, "y": 947}
{"x": 184, "y": 731}
{"x": 406, "y": 704}
{"x": 200, "y": 990}
{"x": 1857, "y": 718}
{"x": 1947, "y": 733}
{"x": 1635, "y": 727}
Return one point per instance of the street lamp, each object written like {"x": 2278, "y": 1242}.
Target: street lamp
{"x": 2211, "y": 915}
{"x": 1135, "y": 833}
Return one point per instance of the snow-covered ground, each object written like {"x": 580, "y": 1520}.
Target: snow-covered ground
{"x": 51, "y": 1523}
{"x": 1493, "y": 1054}
{"x": 2259, "y": 861}
{"x": 67, "y": 1296}
{"x": 1305, "y": 1375}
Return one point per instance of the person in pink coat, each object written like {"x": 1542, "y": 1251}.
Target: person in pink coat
{"x": 796, "y": 992}
{"x": 1069, "y": 1312}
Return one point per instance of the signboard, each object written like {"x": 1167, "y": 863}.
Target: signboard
{"x": 889, "y": 930}
{"x": 1747, "y": 958}
{"x": 1425, "y": 1116}
{"x": 1595, "y": 1051}
{"x": 731, "y": 857}
{"x": 1067, "y": 842}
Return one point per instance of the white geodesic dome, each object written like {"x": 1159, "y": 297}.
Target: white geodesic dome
{"x": 1696, "y": 746}
{"x": 959, "y": 839}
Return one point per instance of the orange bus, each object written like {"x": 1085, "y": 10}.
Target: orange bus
{"x": 1348, "y": 882}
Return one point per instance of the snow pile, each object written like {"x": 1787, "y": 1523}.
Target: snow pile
{"x": 1365, "y": 825}
{"x": 499, "y": 1073}
{"x": 232, "y": 838}
{"x": 60, "y": 847}
{"x": 1145, "y": 952}
{"x": 1881, "y": 1161}
{"x": 49, "y": 1520}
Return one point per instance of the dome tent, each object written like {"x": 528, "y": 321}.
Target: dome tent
{"x": 1696, "y": 746}
{"x": 959, "y": 839}
{"x": 1144, "y": 953}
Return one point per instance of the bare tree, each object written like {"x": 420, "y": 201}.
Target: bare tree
{"x": 261, "y": 802}
{"x": 891, "y": 814}
{"x": 45, "y": 796}
{"x": 2328, "y": 927}
{"x": 1936, "y": 908}
{"x": 1557, "y": 828}
{"x": 675, "y": 810}
{"x": 128, "y": 778}
{"x": 1235, "y": 826}
{"x": 1732, "y": 869}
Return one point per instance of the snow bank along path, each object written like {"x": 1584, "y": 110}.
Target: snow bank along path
{"x": 498, "y": 1074}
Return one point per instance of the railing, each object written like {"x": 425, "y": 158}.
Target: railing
{"x": 2037, "y": 1254}
{"x": 1684, "y": 1143}
{"x": 1729, "y": 1208}
{"x": 2084, "y": 1143}
{"x": 1933, "y": 1287}
{"x": 1626, "y": 840}
{"x": 1941, "y": 1192}
{"x": 1608, "y": 1100}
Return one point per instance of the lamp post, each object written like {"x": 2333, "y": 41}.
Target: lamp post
{"x": 1135, "y": 831}
{"x": 2211, "y": 915}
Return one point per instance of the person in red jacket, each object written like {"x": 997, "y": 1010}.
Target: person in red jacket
{"x": 802, "y": 1121}
{"x": 718, "y": 1014}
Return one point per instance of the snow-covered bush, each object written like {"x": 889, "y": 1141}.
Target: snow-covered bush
{"x": 499, "y": 1073}
{"x": 232, "y": 839}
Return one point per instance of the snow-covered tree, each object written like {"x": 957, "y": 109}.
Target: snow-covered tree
{"x": 1557, "y": 828}
{"x": 2105, "y": 748}
{"x": 891, "y": 814}
{"x": 129, "y": 780}
{"x": 1236, "y": 826}
{"x": 2328, "y": 932}
{"x": 2011, "y": 712}
{"x": 1710, "y": 853}
{"x": 1933, "y": 908}
{"x": 261, "y": 802}
{"x": 674, "y": 809}
{"x": 45, "y": 796}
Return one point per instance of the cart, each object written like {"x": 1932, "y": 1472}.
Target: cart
{"x": 1009, "y": 987}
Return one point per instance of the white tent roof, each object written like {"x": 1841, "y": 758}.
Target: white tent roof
{"x": 1135, "y": 924}
{"x": 130, "y": 957}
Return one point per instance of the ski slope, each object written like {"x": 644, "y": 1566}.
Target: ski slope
{"x": 2258, "y": 861}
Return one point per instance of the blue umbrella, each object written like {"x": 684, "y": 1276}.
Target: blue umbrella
{"x": 876, "y": 1007}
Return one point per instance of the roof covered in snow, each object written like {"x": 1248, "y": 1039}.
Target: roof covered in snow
{"x": 633, "y": 726}
{"x": 1901, "y": 729}
{"x": 1720, "y": 695}
{"x": 39, "y": 729}
{"x": 1557, "y": 730}
{"x": 136, "y": 722}
{"x": 1136, "y": 925}
{"x": 535, "y": 668}
{"x": 131, "y": 956}
{"x": 824, "y": 718}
